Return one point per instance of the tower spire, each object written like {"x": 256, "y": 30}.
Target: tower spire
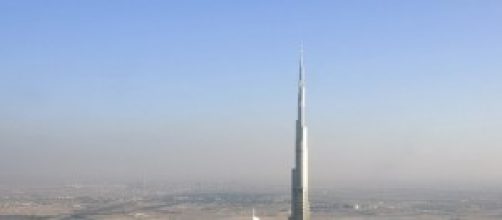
{"x": 301, "y": 72}
{"x": 301, "y": 88}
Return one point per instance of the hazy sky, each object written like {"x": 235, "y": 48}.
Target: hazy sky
{"x": 398, "y": 92}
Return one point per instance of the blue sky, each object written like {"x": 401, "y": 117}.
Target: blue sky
{"x": 392, "y": 88}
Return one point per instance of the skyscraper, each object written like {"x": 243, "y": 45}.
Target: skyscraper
{"x": 300, "y": 207}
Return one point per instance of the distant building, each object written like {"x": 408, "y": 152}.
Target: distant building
{"x": 254, "y": 217}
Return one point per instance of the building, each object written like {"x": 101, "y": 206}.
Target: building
{"x": 300, "y": 207}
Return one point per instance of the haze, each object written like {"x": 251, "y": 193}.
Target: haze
{"x": 398, "y": 92}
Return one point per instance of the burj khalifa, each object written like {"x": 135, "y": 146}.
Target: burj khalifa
{"x": 300, "y": 207}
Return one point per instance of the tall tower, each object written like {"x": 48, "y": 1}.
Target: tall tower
{"x": 300, "y": 207}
